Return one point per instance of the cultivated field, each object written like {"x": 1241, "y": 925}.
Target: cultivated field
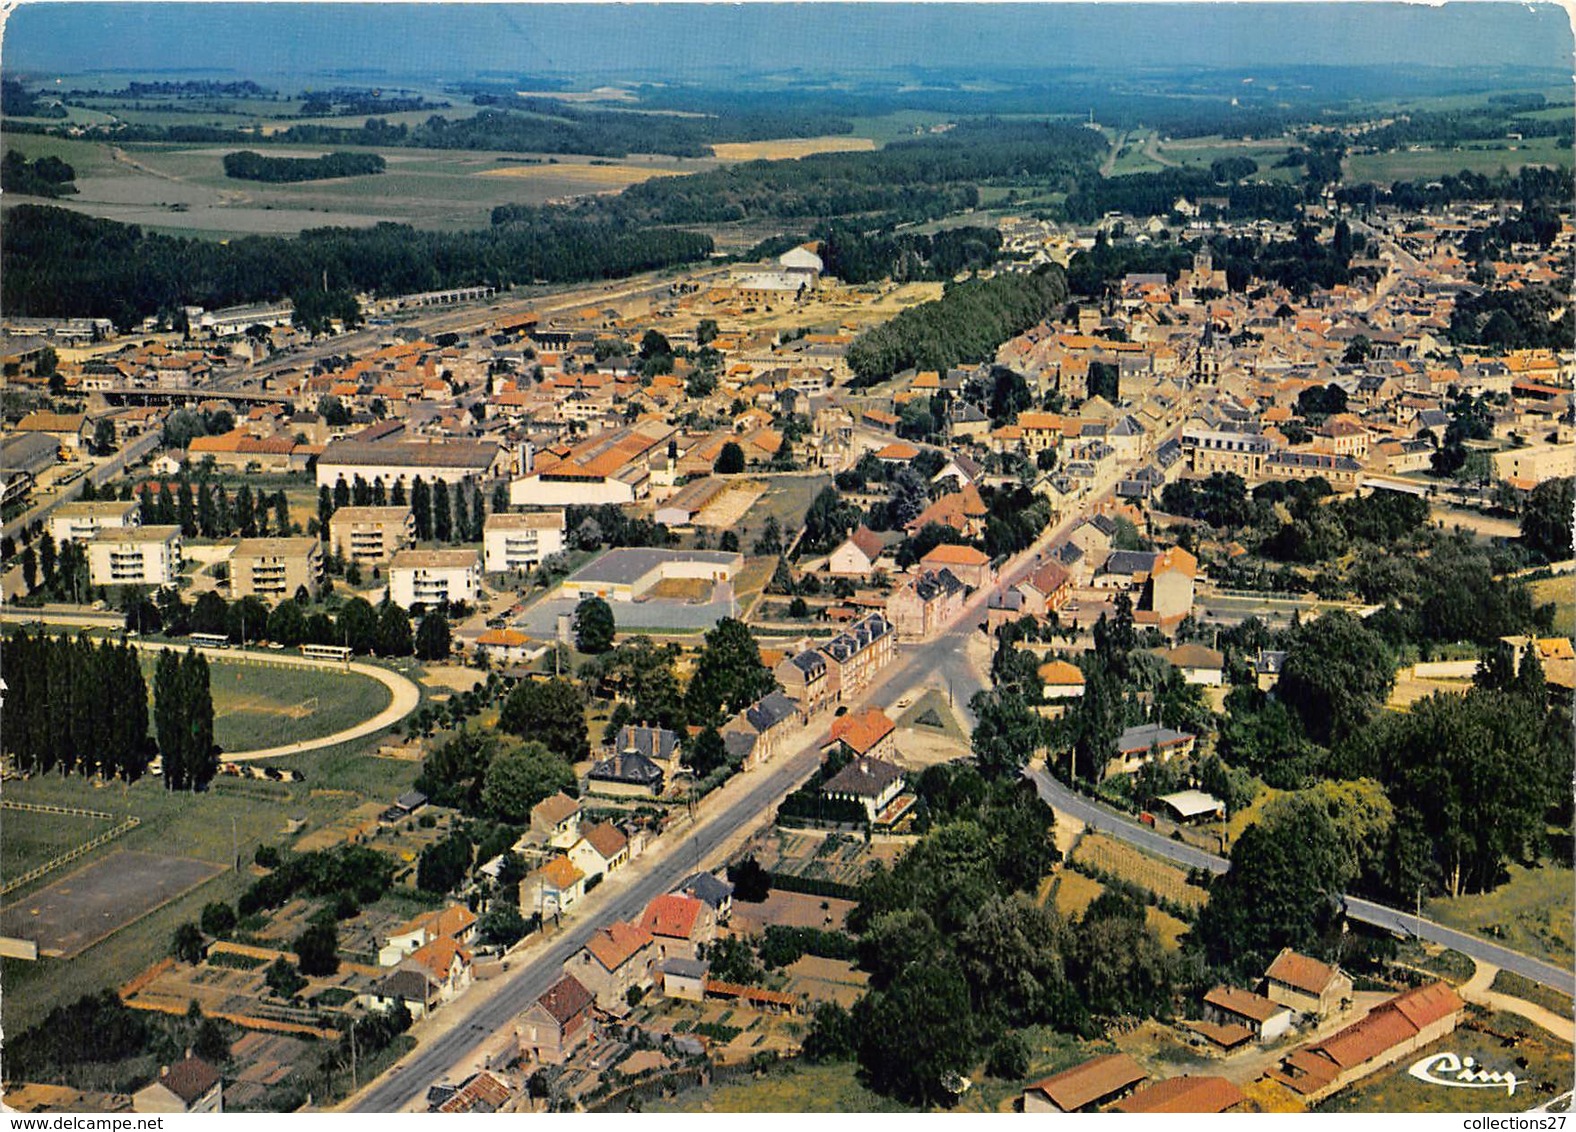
{"x": 1113, "y": 858}
{"x": 570, "y": 178}
{"x": 1485, "y": 156}
{"x": 1561, "y": 591}
{"x": 780, "y": 148}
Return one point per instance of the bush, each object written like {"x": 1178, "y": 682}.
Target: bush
{"x": 1009, "y": 1059}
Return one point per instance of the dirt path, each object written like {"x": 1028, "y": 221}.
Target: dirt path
{"x": 1476, "y": 990}
{"x": 1152, "y": 151}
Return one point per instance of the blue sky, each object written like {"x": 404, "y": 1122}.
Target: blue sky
{"x": 692, "y": 41}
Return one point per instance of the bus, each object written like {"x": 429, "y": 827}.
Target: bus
{"x": 211, "y": 640}
{"x": 326, "y": 652}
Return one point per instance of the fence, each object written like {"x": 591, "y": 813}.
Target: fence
{"x": 14, "y": 883}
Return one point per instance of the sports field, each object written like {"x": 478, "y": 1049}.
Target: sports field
{"x": 262, "y": 705}
{"x": 84, "y": 907}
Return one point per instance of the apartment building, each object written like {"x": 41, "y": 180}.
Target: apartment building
{"x": 78, "y": 521}
{"x": 135, "y": 556}
{"x": 275, "y": 568}
{"x": 519, "y": 541}
{"x": 372, "y": 534}
{"x": 434, "y": 577}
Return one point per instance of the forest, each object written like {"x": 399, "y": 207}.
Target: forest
{"x": 247, "y": 165}
{"x": 855, "y": 256}
{"x": 62, "y": 263}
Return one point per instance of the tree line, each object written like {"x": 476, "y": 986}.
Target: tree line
{"x": 41, "y": 177}
{"x": 183, "y": 718}
{"x": 60, "y": 263}
{"x": 855, "y": 256}
{"x": 76, "y": 707}
{"x": 248, "y": 165}
{"x": 966, "y": 324}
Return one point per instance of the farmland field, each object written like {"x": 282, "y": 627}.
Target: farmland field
{"x": 1485, "y": 156}
{"x": 1561, "y": 591}
{"x": 1113, "y": 858}
{"x": 780, "y": 148}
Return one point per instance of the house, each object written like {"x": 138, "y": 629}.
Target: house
{"x": 871, "y": 782}
{"x": 712, "y": 890}
{"x": 1306, "y": 985}
{"x": 557, "y": 818}
{"x": 1185, "y": 1094}
{"x": 415, "y": 988}
{"x": 658, "y": 744}
{"x": 805, "y": 678}
{"x": 761, "y": 726}
{"x": 627, "y": 774}
{"x": 455, "y": 922}
{"x": 684, "y": 978}
{"x": 1169, "y": 594}
{"x": 1267, "y": 668}
{"x": 446, "y": 963}
{"x": 276, "y": 568}
{"x": 924, "y": 604}
{"x": 970, "y": 566}
{"x": 553, "y": 888}
{"x": 680, "y": 925}
{"x": 1263, "y": 1017}
{"x": 602, "y": 849}
{"x": 963, "y": 511}
{"x": 481, "y": 1092}
{"x": 1046, "y": 589}
{"x": 1061, "y": 680}
{"x": 859, "y": 652}
{"x": 615, "y": 960}
{"x": 1391, "y": 1031}
{"x": 1084, "y": 1087}
{"x": 190, "y": 1085}
{"x": 434, "y": 577}
{"x": 1199, "y": 664}
{"x": 856, "y": 555}
{"x": 557, "y": 1024}
{"x": 869, "y": 733}
{"x": 1137, "y": 745}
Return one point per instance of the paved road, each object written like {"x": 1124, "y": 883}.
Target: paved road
{"x": 1363, "y": 911}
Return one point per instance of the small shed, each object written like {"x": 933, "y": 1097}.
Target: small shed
{"x": 1193, "y": 805}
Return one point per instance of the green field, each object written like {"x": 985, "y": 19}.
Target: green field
{"x": 29, "y": 840}
{"x": 1561, "y": 590}
{"x": 1508, "y": 982}
{"x": 261, "y": 705}
{"x": 187, "y": 825}
{"x": 1530, "y": 912}
{"x": 1486, "y": 156}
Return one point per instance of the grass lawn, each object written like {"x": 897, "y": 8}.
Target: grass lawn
{"x": 1508, "y": 982}
{"x": 798, "y": 1087}
{"x": 1561, "y": 591}
{"x": 261, "y": 705}
{"x": 1546, "y": 1074}
{"x": 1531, "y": 912}
{"x": 933, "y": 705}
{"x": 30, "y": 840}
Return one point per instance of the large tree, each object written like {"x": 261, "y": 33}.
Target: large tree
{"x": 432, "y": 636}
{"x": 520, "y": 778}
{"x": 551, "y": 712}
{"x": 1337, "y": 675}
{"x": 1546, "y": 519}
{"x": 594, "y": 626}
{"x": 729, "y": 675}
{"x": 918, "y": 1034}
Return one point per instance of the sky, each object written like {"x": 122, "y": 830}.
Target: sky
{"x": 692, "y": 42}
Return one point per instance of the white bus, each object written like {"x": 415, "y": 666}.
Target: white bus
{"x": 326, "y": 652}
{"x": 211, "y": 640}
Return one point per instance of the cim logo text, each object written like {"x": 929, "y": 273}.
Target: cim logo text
{"x": 1462, "y": 1073}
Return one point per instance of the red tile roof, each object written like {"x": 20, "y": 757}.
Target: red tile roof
{"x": 566, "y": 998}
{"x": 1091, "y": 1082}
{"x": 616, "y": 944}
{"x": 1185, "y": 1094}
{"x": 672, "y": 916}
{"x": 1300, "y": 972}
{"x": 862, "y": 730}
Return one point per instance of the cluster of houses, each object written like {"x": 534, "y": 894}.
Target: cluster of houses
{"x": 1297, "y": 992}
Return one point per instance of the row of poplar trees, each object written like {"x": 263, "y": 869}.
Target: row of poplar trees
{"x": 76, "y": 707}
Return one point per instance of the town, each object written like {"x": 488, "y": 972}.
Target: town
{"x": 723, "y": 688}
